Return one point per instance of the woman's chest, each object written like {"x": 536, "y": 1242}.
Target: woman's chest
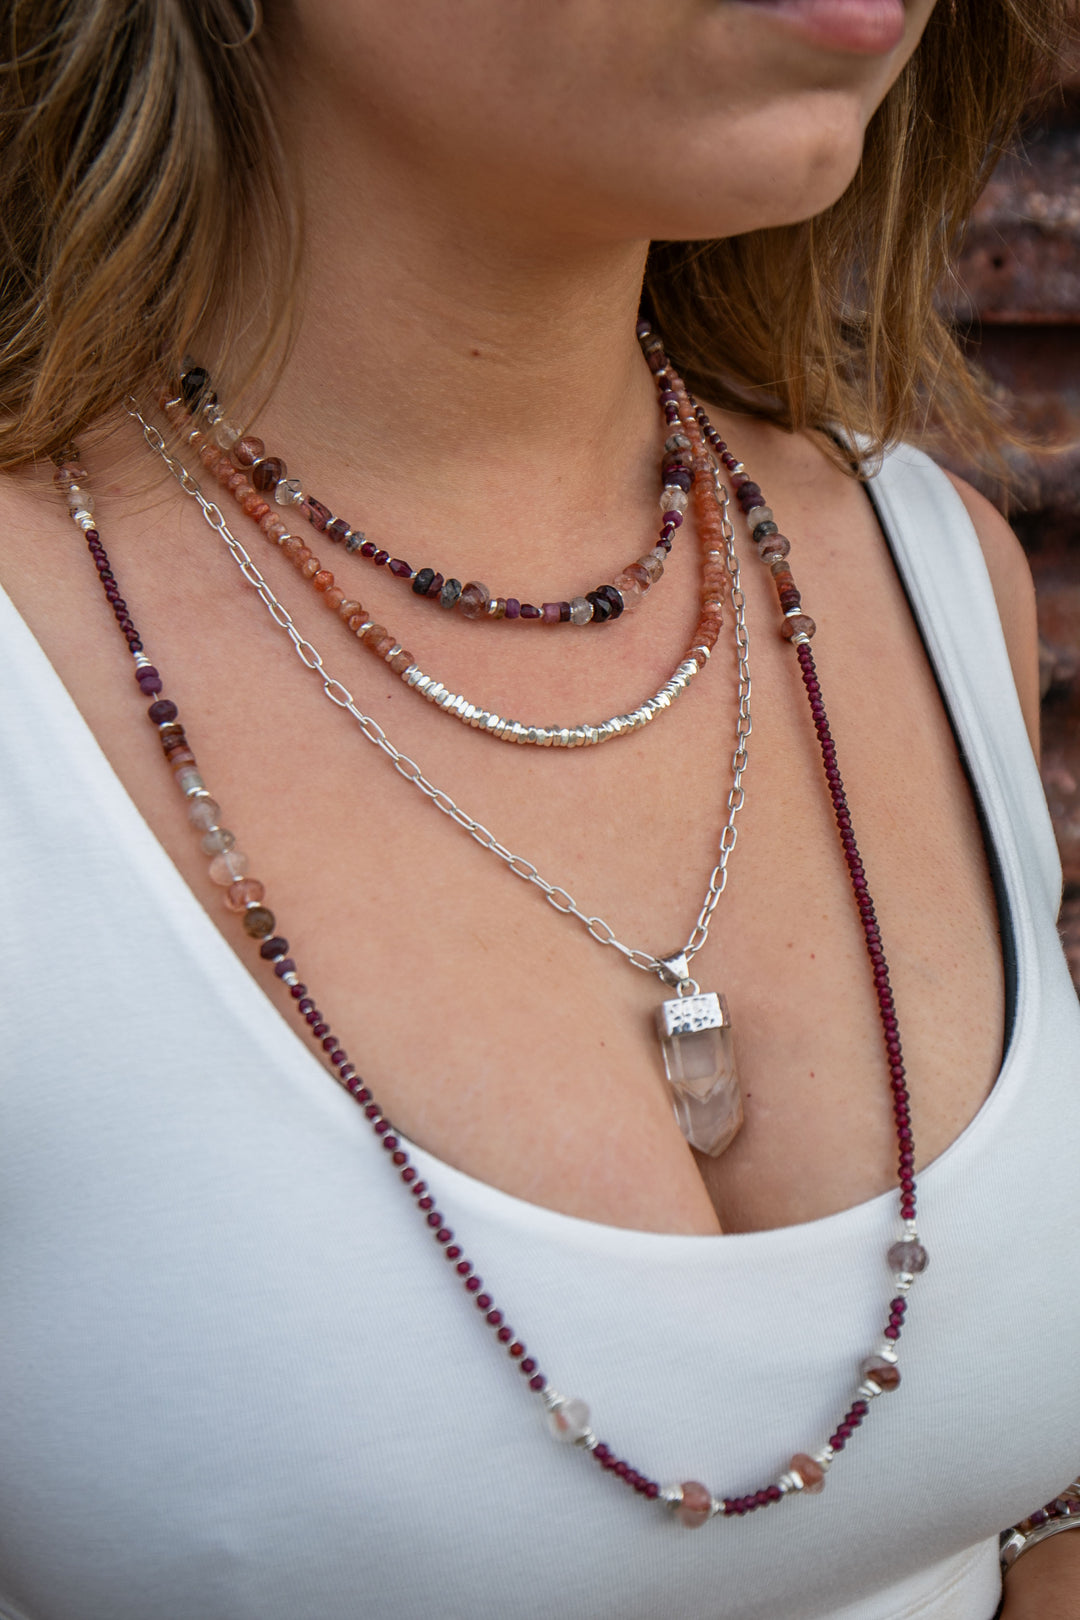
{"x": 503, "y": 1035}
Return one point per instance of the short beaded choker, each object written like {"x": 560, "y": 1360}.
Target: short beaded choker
{"x": 248, "y": 493}
{"x": 568, "y": 1417}
{"x": 217, "y": 438}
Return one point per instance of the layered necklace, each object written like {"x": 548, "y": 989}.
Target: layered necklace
{"x": 694, "y": 1028}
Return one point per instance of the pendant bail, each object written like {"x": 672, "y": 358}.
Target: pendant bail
{"x": 675, "y": 970}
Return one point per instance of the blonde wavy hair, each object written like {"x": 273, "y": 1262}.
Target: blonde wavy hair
{"x": 138, "y": 153}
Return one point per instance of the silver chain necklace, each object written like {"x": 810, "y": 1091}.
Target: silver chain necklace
{"x": 694, "y": 1029}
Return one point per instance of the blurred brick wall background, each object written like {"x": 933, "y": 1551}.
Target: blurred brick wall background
{"x": 1018, "y": 304}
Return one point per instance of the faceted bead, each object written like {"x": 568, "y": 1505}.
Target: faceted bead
{"x": 758, "y": 515}
{"x": 908, "y": 1256}
{"x": 695, "y": 1509}
{"x": 381, "y": 645}
{"x": 228, "y": 866}
{"x": 450, "y": 593}
{"x": 267, "y": 473}
{"x": 636, "y": 572}
{"x": 652, "y": 565}
{"x": 581, "y": 610}
{"x": 258, "y": 922}
{"x": 474, "y": 600}
{"x": 243, "y": 893}
{"x": 400, "y": 568}
{"x": 774, "y": 548}
{"x": 674, "y": 500}
{"x": 287, "y": 491}
{"x": 226, "y": 435}
{"x": 629, "y": 589}
{"x": 203, "y": 813}
{"x": 423, "y": 581}
{"x": 217, "y": 840}
{"x": 613, "y": 598}
{"x": 799, "y": 624}
{"x": 162, "y": 711}
{"x": 400, "y": 662}
{"x": 811, "y": 1473}
{"x": 192, "y": 384}
{"x": 881, "y": 1372}
{"x": 602, "y": 609}
{"x": 317, "y": 514}
{"x": 569, "y": 1421}
{"x": 322, "y": 579}
{"x": 248, "y": 450}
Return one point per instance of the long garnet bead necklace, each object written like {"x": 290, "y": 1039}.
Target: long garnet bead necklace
{"x": 568, "y": 1417}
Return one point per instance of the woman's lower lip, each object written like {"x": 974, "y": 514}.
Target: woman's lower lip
{"x": 863, "y": 27}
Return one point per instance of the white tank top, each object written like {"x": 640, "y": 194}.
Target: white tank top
{"x": 236, "y": 1382}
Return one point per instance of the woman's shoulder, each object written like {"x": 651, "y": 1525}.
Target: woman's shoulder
{"x": 1014, "y": 593}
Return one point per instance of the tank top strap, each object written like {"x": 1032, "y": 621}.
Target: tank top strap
{"x": 940, "y": 561}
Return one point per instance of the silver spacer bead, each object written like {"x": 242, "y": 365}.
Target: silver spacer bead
{"x": 824, "y": 1457}
{"x": 868, "y": 1390}
{"x": 290, "y": 978}
{"x": 142, "y": 661}
{"x": 671, "y": 1495}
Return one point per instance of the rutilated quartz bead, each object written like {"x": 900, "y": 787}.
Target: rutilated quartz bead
{"x": 810, "y": 1472}
{"x": 473, "y": 601}
{"x": 203, "y": 813}
{"x": 243, "y": 893}
{"x": 227, "y": 867}
{"x": 880, "y": 1372}
{"x": 695, "y": 1509}
{"x": 799, "y": 624}
{"x": 259, "y": 921}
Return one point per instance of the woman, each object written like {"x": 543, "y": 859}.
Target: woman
{"x": 242, "y": 1378}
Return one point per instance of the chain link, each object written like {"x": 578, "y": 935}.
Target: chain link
{"x": 339, "y": 694}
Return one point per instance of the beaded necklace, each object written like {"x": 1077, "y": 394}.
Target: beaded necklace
{"x": 376, "y": 639}
{"x": 268, "y": 478}
{"x": 568, "y": 1417}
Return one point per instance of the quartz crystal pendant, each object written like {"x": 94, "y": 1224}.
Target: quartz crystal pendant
{"x": 699, "y": 1060}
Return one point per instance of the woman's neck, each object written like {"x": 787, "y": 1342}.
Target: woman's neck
{"x": 454, "y": 363}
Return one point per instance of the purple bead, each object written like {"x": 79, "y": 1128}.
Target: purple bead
{"x": 162, "y": 712}
{"x": 513, "y": 607}
{"x": 272, "y": 949}
{"x": 150, "y": 682}
{"x": 320, "y": 515}
{"x": 381, "y": 558}
{"x": 400, "y": 569}
{"x": 368, "y": 549}
{"x": 551, "y": 612}
{"x": 337, "y": 530}
{"x": 286, "y": 965}
{"x": 528, "y": 611}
